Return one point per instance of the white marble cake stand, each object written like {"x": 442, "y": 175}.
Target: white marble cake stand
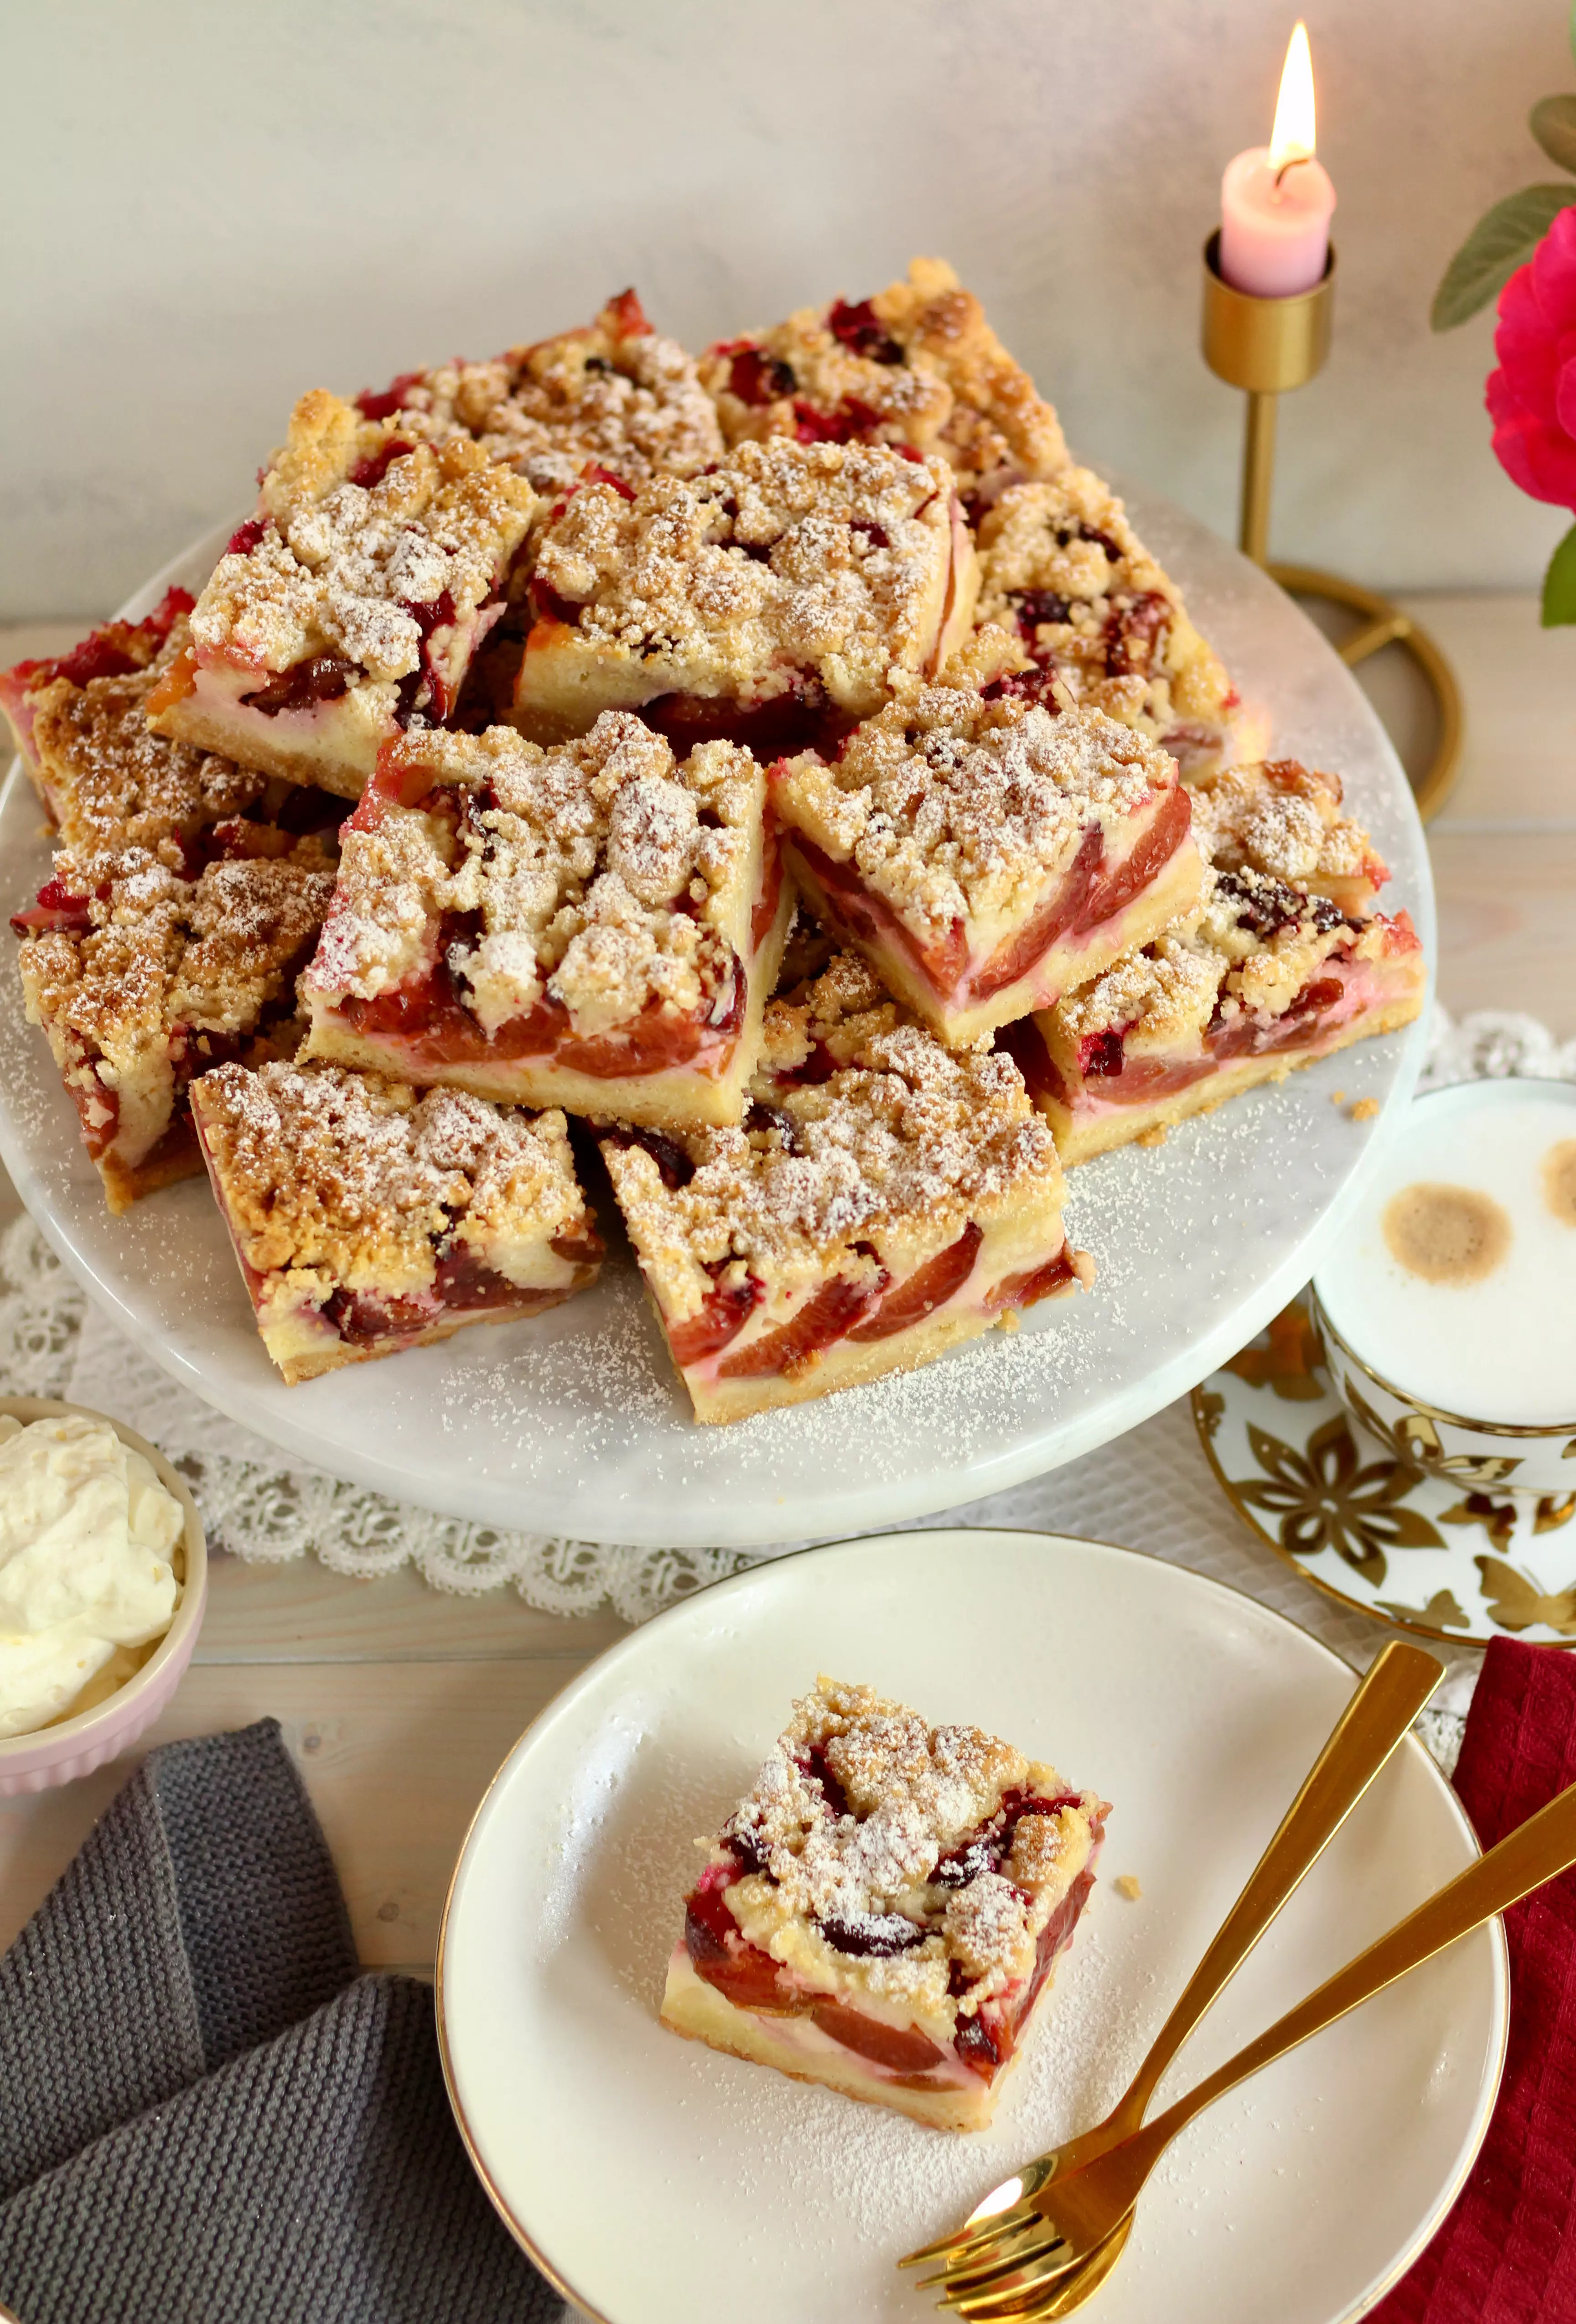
{"x": 574, "y": 1423}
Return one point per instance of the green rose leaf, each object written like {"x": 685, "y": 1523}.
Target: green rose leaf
{"x": 1560, "y": 583}
{"x": 1497, "y": 245}
{"x": 1553, "y": 123}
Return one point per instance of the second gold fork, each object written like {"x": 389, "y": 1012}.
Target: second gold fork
{"x": 1395, "y": 1688}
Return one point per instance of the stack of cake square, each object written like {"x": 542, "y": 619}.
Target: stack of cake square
{"x": 788, "y": 765}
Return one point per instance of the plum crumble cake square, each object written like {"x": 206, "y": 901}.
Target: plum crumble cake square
{"x": 917, "y": 364}
{"x": 1062, "y": 568}
{"x": 986, "y": 852}
{"x": 885, "y": 1907}
{"x": 369, "y": 1217}
{"x": 107, "y": 779}
{"x": 141, "y": 978}
{"x": 596, "y": 925}
{"x": 882, "y": 1200}
{"x": 352, "y": 603}
{"x": 615, "y": 393}
{"x": 1284, "y": 819}
{"x": 764, "y": 601}
{"x": 1262, "y": 977}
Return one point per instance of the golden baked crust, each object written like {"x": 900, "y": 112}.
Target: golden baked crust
{"x": 615, "y": 393}
{"x": 837, "y": 565}
{"x": 1063, "y": 571}
{"x": 916, "y": 364}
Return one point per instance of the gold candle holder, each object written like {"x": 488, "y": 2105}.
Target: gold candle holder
{"x": 1267, "y": 348}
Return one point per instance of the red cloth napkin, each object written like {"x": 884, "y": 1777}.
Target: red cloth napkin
{"x": 1507, "y": 2253}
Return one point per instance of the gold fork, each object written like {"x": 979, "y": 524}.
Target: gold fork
{"x": 1398, "y": 1685}
{"x": 1079, "y": 2210}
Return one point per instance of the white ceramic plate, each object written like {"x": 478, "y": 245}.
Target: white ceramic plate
{"x": 658, "y": 2181}
{"x": 574, "y": 1423}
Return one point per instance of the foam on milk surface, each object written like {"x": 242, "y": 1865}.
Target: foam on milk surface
{"x": 1503, "y": 1347}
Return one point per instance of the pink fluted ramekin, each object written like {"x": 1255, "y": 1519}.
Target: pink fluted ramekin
{"x": 75, "y": 1746}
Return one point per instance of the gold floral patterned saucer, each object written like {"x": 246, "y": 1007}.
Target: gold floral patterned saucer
{"x": 1358, "y": 1521}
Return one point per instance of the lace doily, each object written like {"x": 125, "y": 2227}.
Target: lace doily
{"x": 52, "y": 1343}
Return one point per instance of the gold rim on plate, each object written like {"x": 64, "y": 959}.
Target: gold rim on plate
{"x": 521, "y": 2235}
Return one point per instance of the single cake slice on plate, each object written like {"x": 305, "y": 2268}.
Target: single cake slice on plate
{"x": 1062, "y": 568}
{"x": 369, "y": 1217}
{"x": 882, "y": 1201}
{"x": 771, "y": 601}
{"x": 1264, "y": 977}
{"x": 916, "y": 364}
{"x": 885, "y": 1907}
{"x": 596, "y": 925}
{"x": 354, "y": 600}
{"x": 142, "y": 978}
{"x": 987, "y": 851}
{"x": 614, "y": 393}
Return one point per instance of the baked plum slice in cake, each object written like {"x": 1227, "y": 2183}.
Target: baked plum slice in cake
{"x": 885, "y": 1908}
{"x": 771, "y": 601}
{"x": 352, "y": 602}
{"x": 1263, "y": 978}
{"x": 882, "y": 1201}
{"x": 987, "y": 851}
{"x": 615, "y": 394}
{"x": 916, "y": 365}
{"x": 596, "y": 925}
{"x": 369, "y": 1217}
{"x": 142, "y": 977}
{"x": 1062, "y": 568}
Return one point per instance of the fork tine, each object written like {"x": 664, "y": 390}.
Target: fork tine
{"x": 1017, "y": 2270}
{"x": 1012, "y": 2296}
{"x": 984, "y": 2267}
{"x": 974, "y": 2235}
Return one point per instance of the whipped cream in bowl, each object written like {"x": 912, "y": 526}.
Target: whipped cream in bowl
{"x": 103, "y": 1577}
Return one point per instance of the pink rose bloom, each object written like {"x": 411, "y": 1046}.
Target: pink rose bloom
{"x": 1532, "y": 397}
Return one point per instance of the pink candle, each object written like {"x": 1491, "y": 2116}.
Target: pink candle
{"x": 1276, "y": 199}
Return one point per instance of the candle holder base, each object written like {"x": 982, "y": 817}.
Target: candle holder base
{"x": 1381, "y": 623}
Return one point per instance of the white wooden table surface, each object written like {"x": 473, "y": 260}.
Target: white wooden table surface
{"x": 398, "y": 1701}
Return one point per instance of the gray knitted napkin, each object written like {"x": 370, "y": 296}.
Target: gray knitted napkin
{"x": 206, "y": 2116}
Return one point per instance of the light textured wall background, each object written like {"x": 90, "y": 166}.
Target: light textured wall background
{"x": 208, "y": 207}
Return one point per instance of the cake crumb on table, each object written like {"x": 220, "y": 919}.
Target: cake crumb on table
{"x": 1125, "y": 1884}
{"x": 1364, "y": 1109}
{"x": 1338, "y": 1097}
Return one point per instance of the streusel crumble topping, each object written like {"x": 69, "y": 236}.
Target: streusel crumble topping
{"x": 872, "y": 1861}
{"x": 363, "y": 1176}
{"x": 364, "y": 531}
{"x": 899, "y": 1135}
{"x": 956, "y": 808}
{"x": 918, "y": 364}
{"x": 600, "y": 872}
{"x": 1062, "y": 567}
{"x": 788, "y": 557}
{"x": 112, "y": 781}
{"x": 617, "y": 394}
{"x": 161, "y": 951}
{"x": 1283, "y": 819}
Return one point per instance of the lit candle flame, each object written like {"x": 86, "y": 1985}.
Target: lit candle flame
{"x": 1291, "y": 138}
